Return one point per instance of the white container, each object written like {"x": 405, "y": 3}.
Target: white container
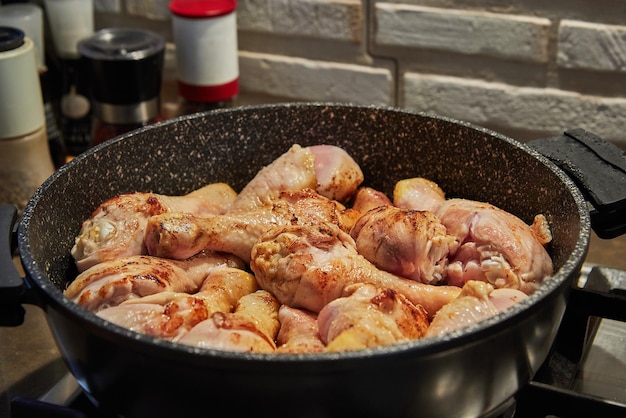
{"x": 21, "y": 101}
{"x": 205, "y": 35}
{"x": 70, "y": 21}
{"x": 28, "y": 18}
{"x": 25, "y": 161}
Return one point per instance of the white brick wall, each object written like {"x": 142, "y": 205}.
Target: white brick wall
{"x": 297, "y": 78}
{"x": 338, "y": 20}
{"x": 523, "y": 68}
{"x": 592, "y": 46}
{"x": 541, "y": 110}
{"x": 151, "y": 9}
{"x": 463, "y": 32}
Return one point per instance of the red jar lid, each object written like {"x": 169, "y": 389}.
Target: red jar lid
{"x": 198, "y": 9}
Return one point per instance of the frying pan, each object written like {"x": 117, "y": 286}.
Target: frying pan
{"x": 470, "y": 372}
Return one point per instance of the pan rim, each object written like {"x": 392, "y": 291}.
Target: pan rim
{"x": 466, "y": 335}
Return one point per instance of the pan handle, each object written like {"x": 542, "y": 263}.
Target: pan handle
{"x": 12, "y": 285}
{"x": 598, "y": 168}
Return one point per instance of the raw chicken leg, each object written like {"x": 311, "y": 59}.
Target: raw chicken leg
{"x": 309, "y": 266}
{"x": 418, "y": 193}
{"x": 252, "y": 327}
{"x": 293, "y": 170}
{"x": 325, "y": 168}
{"x": 181, "y": 235}
{"x": 477, "y": 301}
{"x": 370, "y": 317}
{"x": 116, "y": 228}
{"x": 171, "y": 315}
{"x": 367, "y": 198}
{"x": 409, "y": 243}
{"x": 496, "y": 246}
{"x": 110, "y": 283}
{"x": 298, "y": 332}
{"x": 338, "y": 175}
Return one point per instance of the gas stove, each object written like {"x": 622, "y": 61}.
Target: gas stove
{"x": 585, "y": 372}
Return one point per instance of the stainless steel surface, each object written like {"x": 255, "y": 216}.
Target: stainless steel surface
{"x": 63, "y": 392}
{"x": 602, "y": 369}
{"x": 602, "y": 372}
{"x": 136, "y": 113}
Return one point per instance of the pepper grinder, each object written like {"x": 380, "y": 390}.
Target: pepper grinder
{"x": 124, "y": 66}
{"x": 205, "y": 36}
{"x": 25, "y": 161}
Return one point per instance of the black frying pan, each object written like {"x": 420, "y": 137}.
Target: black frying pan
{"x": 470, "y": 372}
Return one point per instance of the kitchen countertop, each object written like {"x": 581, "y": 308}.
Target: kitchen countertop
{"x": 29, "y": 359}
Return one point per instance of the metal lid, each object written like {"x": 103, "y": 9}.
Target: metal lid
{"x": 199, "y": 9}
{"x": 127, "y": 44}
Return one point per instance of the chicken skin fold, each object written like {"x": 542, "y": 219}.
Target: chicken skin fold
{"x": 252, "y": 327}
{"x": 299, "y": 332}
{"x": 477, "y": 301}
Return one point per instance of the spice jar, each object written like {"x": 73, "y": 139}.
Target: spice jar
{"x": 29, "y": 19}
{"x": 205, "y": 36}
{"x": 125, "y": 67}
{"x": 25, "y": 161}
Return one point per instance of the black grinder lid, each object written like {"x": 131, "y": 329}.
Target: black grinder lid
{"x": 10, "y": 38}
{"x": 124, "y": 64}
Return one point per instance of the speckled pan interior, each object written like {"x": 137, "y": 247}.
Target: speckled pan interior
{"x": 177, "y": 156}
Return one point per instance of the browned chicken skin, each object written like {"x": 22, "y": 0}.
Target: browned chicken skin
{"x": 367, "y": 317}
{"x": 252, "y": 327}
{"x": 111, "y": 283}
{"x": 181, "y": 235}
{"x": 116, "y": 228}
{"x": 409, "y": 243}
{"x": 309, "y": 266}
{"x": 171, "y": 315}
{"x": 495, "y": 246}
